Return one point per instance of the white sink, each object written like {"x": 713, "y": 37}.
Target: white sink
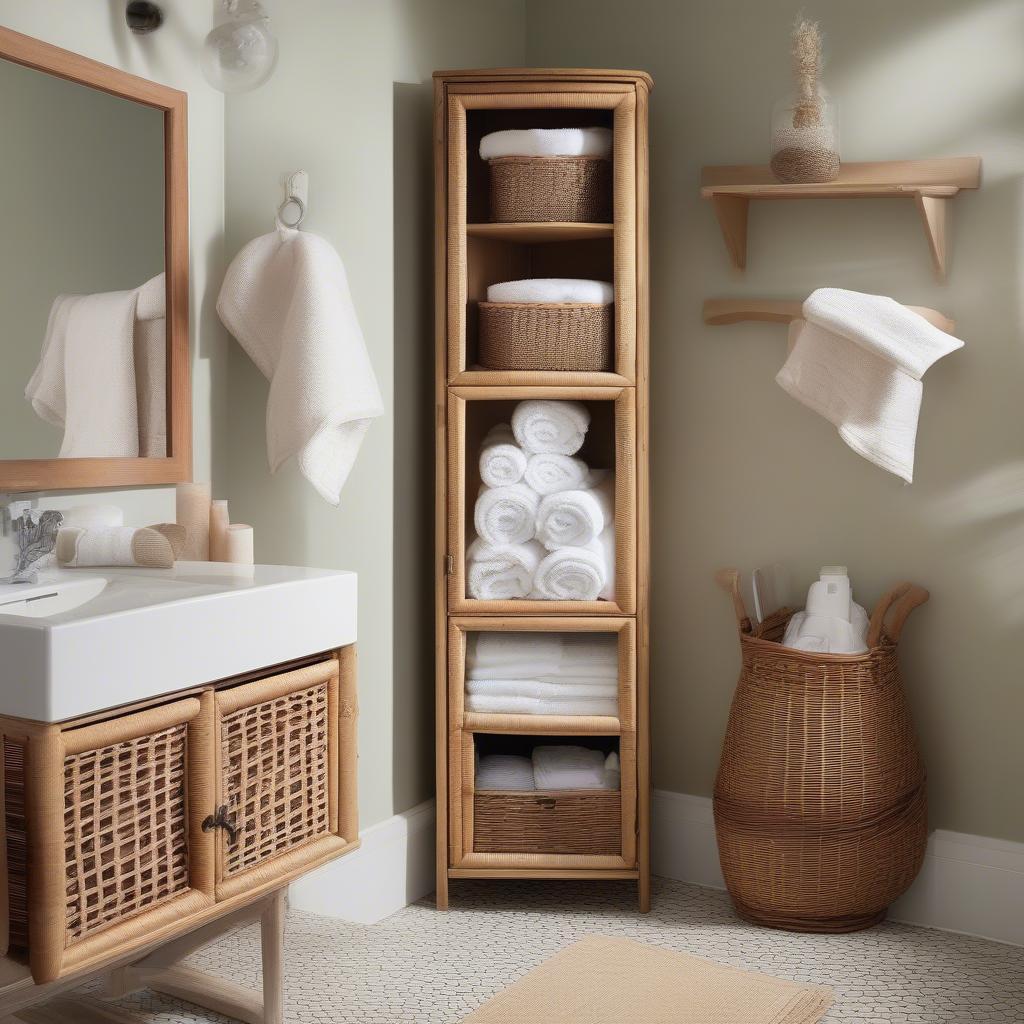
{"x": 83, "y": 641}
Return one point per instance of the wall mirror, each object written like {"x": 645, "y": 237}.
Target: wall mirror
{"x": 94, "y": 351}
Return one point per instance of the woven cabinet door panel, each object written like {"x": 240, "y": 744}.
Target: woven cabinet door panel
{"x": 277, "y": 743}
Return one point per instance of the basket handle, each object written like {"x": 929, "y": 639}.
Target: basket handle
{"x": 901, "y": 600}
{"x": 729, "y": 580}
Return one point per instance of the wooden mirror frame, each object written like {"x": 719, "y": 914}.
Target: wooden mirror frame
{"x": 75, "y": 474}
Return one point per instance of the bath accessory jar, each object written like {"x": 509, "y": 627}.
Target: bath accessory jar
{"x": 805, "y": 138}
{"x": 820, "y": 802}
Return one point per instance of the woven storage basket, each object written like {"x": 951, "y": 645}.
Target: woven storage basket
{"x": 820, "y": 807}
{"x": 578, "y": 821}
{"x": 551, "y": 188}
{"x": 545, "y": 336}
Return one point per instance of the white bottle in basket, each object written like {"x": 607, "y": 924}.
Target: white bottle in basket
{"x": 832, "y": 595}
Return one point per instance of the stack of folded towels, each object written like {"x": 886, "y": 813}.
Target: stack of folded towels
{"x": 543, "y": 674}
{"x": 544, "y": 519}
{"x": 550, "y": 767}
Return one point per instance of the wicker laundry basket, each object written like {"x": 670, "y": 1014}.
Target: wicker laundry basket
{"x": 545, "y": 336}
{"x": 551, "y": 188}
{"x": 820, "y": 805}
{"x": 558, "y": 822}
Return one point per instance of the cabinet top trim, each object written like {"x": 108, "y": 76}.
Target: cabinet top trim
{"x": 546, "y": 74}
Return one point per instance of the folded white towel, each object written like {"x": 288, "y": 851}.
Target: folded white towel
{"x": 547, "y": 142}
{"x": 857, "y": 360}
{"x": 552, "y": 289}
{"x": 506, "y": 515}
{"x": 286, "y": 300}
{"x": 101, "y": 373}
{"x": 568, "y": 767}
{"x": 550, "y": 425}
{"x": 504, "y": 771}
{"x": 575, "y": 518}
{"x": 513, "y": 705}
{"x": 501, "y": 572}
{"x": 558, "y": 657}
{"x": 502, "y": 461}
{"x": 550, "y": 688}
{"x": 549, "y": 472}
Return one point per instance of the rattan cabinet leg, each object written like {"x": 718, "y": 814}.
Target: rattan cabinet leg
{"x": 272, "y": 943}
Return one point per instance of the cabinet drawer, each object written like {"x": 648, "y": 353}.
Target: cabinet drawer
{"x": 566, "y": 822}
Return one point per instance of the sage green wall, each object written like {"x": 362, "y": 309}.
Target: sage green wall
{"x": 350, "y": 102}
{"x": 745, "y": 476}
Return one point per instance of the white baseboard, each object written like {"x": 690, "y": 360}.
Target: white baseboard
{"x": 392, "y": 868}
{"x": 968, "y": 884}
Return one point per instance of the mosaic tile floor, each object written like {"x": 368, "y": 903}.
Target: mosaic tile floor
{"x": 433, "y": 968}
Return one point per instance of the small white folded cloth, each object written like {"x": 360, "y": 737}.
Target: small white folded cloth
{"x": 502, "y": 572}
{"x": 286, "y": 300}
{"x": 558, "y": 657}
{"x": 575, "y": 518}
{"x": 858, "y": 360}
{"x": 547, "y": 142}
{"x": 549, "y": 472}
{"x": 506, "y": 515}
{"x": 521, "y": 705}
{"x": 502, "y": 461}
{"x": 571, "y": 767}
{"x": 550, "y": 425}
{"x": 552, "y": 289}
{"x": 504, "y": 771}
{"x": 578, "y": 574}
{"x": 542, "y": 689}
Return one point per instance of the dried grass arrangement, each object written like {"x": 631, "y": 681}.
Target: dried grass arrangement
{"x": 805, "y": 144}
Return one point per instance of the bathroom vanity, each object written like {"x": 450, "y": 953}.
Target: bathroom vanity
{"x": 177, "y": 745}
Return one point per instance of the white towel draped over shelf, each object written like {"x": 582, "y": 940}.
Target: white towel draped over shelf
{"x": 593, "y": 141}
{"x": 102, "y": 373}
{"x": 286, "y": 300}
{"x": 858, "y": 360}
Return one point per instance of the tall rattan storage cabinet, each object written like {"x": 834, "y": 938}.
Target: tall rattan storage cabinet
{"x": 560, "y": 834}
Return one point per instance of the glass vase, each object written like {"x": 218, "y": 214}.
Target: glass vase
{"x": 805, "y": 138}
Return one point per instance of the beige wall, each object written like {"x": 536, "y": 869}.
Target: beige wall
{"x": 350, "y": 103}
{"x": 171, "y": 57}
{"x": 743, "y": 475}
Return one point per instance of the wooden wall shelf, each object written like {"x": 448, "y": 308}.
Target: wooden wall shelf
{"x": 930, "y": 183}
{"x": 781, "y": 311}
{"x": 553, "y": 231}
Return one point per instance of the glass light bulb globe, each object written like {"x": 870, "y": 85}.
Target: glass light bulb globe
{"x": 241, "y": 53}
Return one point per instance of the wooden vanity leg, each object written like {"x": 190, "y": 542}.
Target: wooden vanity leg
{"x": 272, "y": 940}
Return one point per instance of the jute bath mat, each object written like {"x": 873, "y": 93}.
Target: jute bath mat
{"x": 617, "y": 981}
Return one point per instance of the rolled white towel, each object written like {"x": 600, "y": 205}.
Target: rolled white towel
{"x": 568, "y": 767}
{"x": 502, "y": 572}
{"x": 556, "y": 657}
{"x": 506, "y": 515}
{"x": 504, "y": 771}
{"x": 552, "y": 289}
{"x": 549, "y": 472}
{"x": 575, "y": 518}
{"x": 513, "y": 705}
{"x": 606, "y": 545}
{"x": 594, "y": 141}
{"x": 542, "y": 688}
{"x": 571, "y": 574}
{"x": 550, "y": 425}
{"x": 502, "y": 461}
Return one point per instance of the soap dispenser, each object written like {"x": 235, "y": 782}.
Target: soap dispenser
{"x": 832, "y": 595}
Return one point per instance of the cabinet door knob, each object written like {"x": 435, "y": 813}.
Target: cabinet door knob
{"x": 221, "y": 820}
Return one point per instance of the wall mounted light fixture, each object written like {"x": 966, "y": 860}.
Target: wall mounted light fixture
{"x": 241, "y": 52}
{"x": 143, "y": 17}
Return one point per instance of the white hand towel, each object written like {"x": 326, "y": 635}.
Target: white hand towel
{"x": 572, "y": 574}
{"x": 504, "y": 771}
{"x": 286, "y": 300}
{"x": 550, "y": 425}
{"x": 548, "y": 473}
{"x": 506, "y": 515}
{"x": 502, "y": 461}
{"x": 552, "y": 289}
{"x": 575, "y": 518}
{"x": 859, "y": 365}
{"x": 568, "y": 767}
{"x": 501, "y": 572}
{"x": 486, "y": 704}
{"x": 547, "y": 142}
{"x": 559, "y": 657}
{"x": 551, "y": 689}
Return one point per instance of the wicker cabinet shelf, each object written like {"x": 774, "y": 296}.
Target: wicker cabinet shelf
{"x": 561, "y": 834}
{"x": 128, "y": 828}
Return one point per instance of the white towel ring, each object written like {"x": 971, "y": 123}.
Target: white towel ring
{"x": 284, "y": 206}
